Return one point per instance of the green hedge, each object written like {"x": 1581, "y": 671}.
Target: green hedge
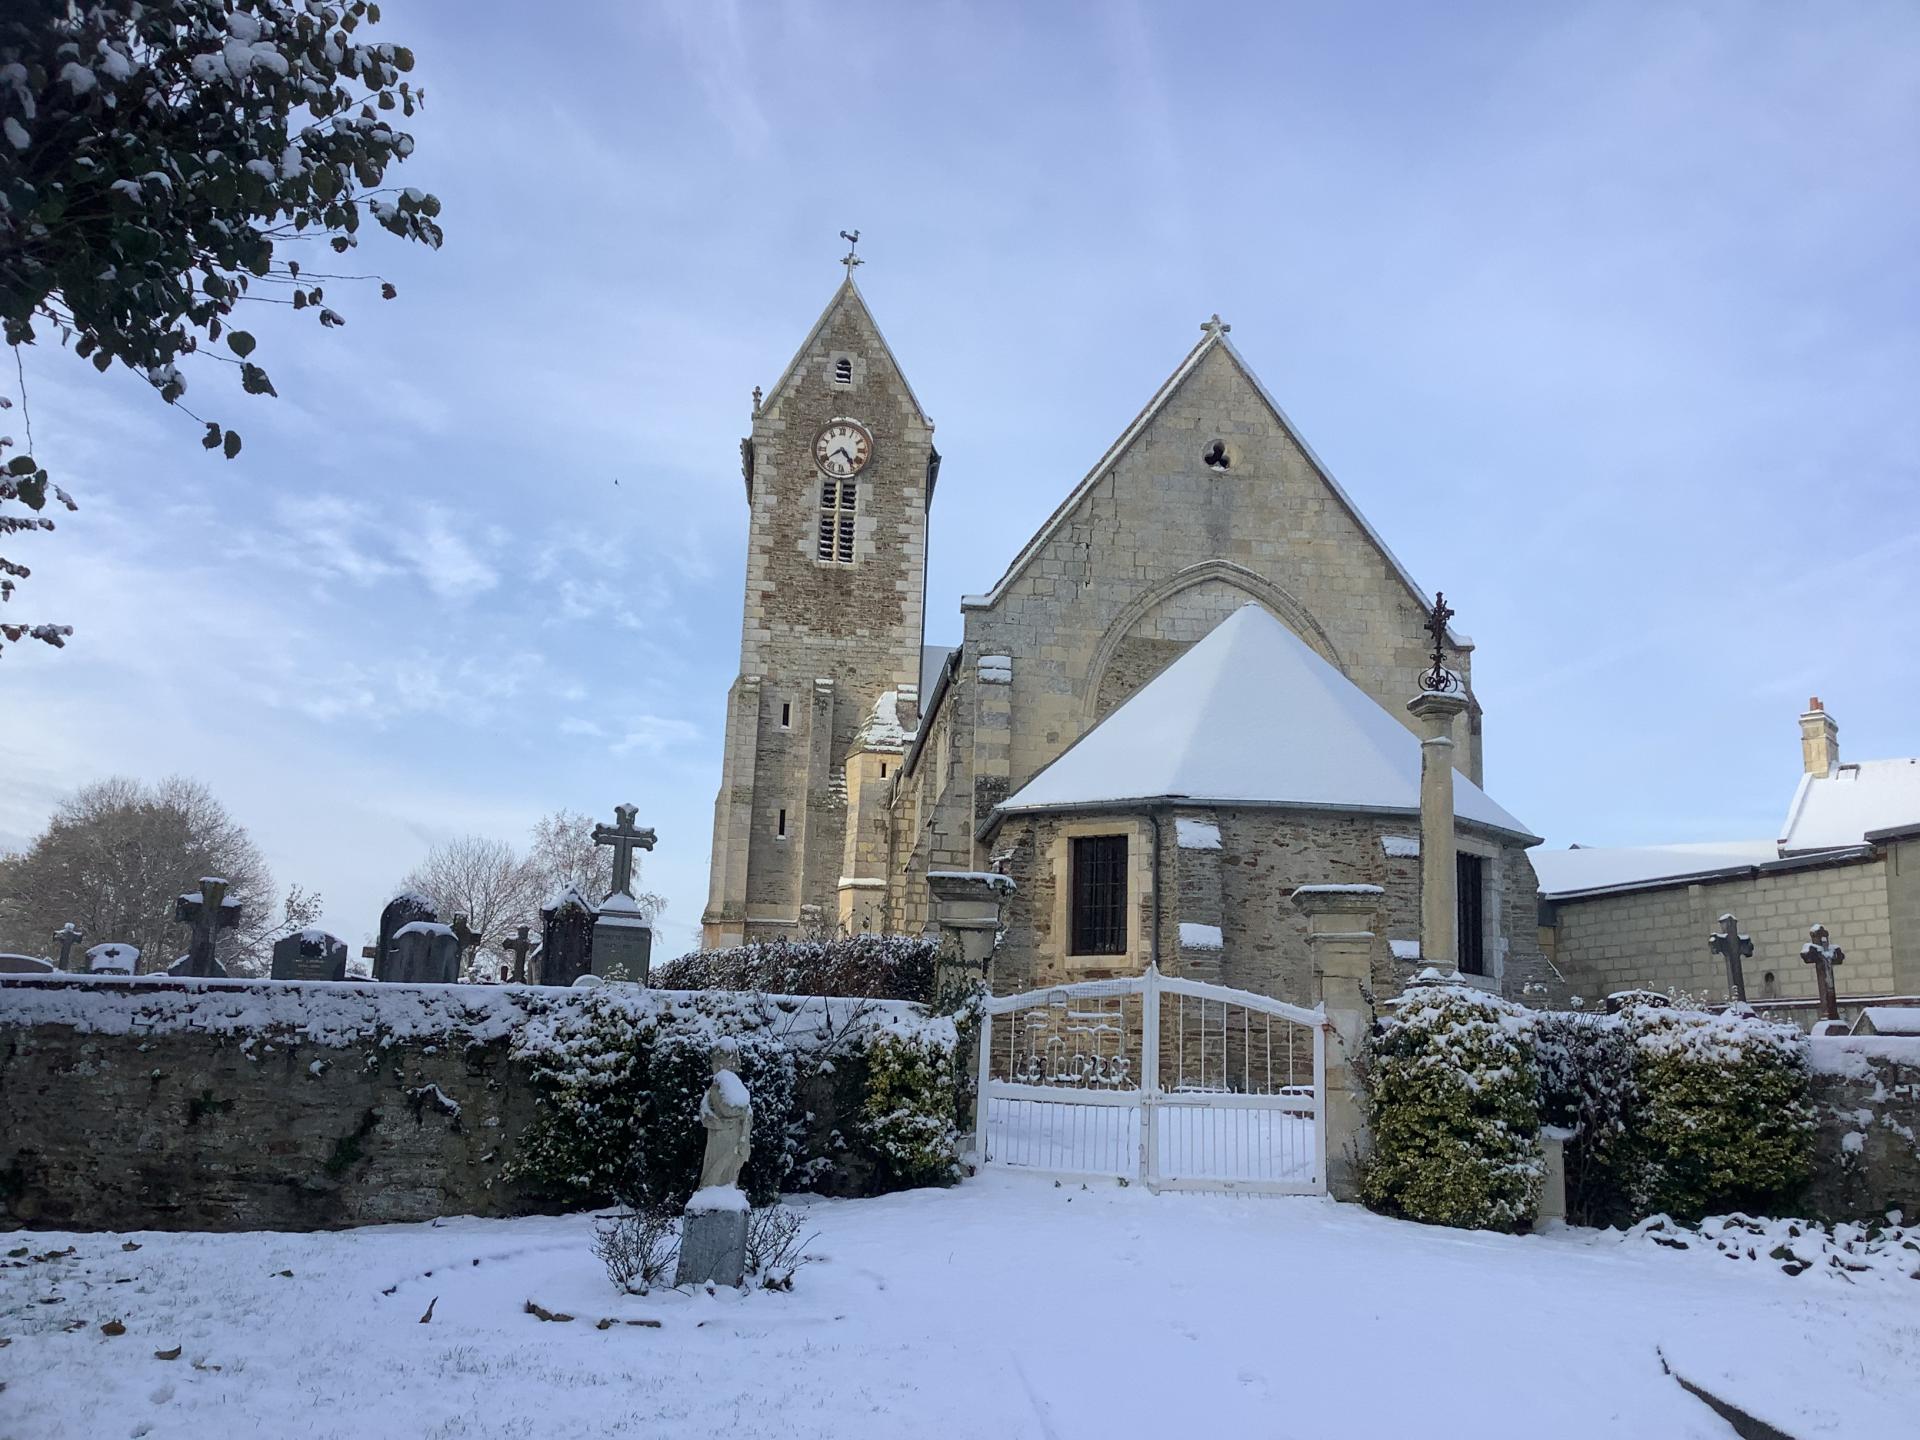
{"x": 1453, "y": 1101}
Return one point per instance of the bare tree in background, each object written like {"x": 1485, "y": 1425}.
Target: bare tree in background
{"x": 565, "y": 855}
{"x": 117, "y": 852}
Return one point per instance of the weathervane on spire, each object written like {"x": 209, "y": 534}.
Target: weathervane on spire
{"x": 852, "y": 237}
{"x": 1439, "y": 680}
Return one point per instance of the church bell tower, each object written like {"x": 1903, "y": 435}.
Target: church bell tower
{"x": 839, "y": 470}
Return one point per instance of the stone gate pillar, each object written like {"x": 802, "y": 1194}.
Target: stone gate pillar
{"x": 1436, "y": 712}
{"x": 966, "y": 907}
{"x": 1340, "y": 935}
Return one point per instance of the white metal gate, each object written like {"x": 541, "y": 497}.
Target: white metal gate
{"x": 1177, "y": 1083}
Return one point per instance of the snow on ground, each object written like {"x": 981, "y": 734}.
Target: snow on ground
{"x": 1006, "y": 1308}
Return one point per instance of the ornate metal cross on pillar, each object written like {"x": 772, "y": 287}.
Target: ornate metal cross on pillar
{"x": 67, "y": 936}
{"x": 1823, "y": 956}
{"x": 852, "y": 237}
{"x": 1733, "y": 947}
{"x": 624, "y": 837}
{"x": 1439, "y": 680}
{"x": 209, "y": 912}
{"x": 518, "y": 947}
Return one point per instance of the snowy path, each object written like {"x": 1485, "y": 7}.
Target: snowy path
{"x": 1006, "y": 1309}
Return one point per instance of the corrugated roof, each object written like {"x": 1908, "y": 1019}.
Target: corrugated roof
{"x": 1251, "y": 715}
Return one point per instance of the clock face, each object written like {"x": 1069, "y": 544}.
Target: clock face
{"x": 843, "y": 448}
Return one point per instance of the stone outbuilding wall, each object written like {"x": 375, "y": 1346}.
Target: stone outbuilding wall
{"x": 1866, "y": 1091}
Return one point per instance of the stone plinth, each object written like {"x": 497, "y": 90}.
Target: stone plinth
{"x": 1340, "y": 936}
{"x": 622, "y": 944}
{"x": 713, "y": 1238}
{"x": 966, "y": 907}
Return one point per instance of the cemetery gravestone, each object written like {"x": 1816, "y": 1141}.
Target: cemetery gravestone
{"x": 425, "y": 953}
{"x": 518, "y": 947}
{"x": 113, "y": 958}
{"x": 310, "y": 954}
{"x": 622, "y": 937}
{"x": 567, "y": 936}
{"x": 402, "y": 910}
{"x": 67, "y": 936}
{"x": 209, "y": 910}
{"x": 25, "y": 965}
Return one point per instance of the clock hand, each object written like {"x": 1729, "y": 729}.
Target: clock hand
{"x": 844, "y": 453}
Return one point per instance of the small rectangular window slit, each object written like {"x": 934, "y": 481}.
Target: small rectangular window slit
{"x": 780, "y": 832}
{"x": 786, "y": 715}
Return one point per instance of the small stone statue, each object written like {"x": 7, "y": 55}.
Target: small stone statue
{"x": 727, "y": 1112}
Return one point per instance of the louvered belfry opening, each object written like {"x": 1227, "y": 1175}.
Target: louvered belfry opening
{"x": 837, "y": 503}
{"x": 1099, "y": 895}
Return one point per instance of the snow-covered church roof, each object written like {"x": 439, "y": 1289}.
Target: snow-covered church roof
{"x": 1251, "y": 715}
{"x": 1850, "y": 804}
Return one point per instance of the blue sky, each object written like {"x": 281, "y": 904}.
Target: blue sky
{"x": 1607, "y": 316}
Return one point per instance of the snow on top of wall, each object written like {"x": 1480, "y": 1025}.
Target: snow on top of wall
{"x": 1852, "y": 1055}
{"x": 1893, "y": 1019}
{"x": 1401, "y": 847}
{"x": 1200, "y": 937}
{"x": 1830, "y": 812}
{"x": 1404, "y": 949}
{"x": 345, "y": 1013}
{"x": 1573, "y": 872}
{"x": 1196, "y": 834}
{"x": 1251, "y": 714}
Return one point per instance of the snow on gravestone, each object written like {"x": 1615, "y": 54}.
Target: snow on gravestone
{"x": 566, "y": 944}
{"x": 113, "y": 958}
{"x": 403, "y": 909}
{"x": 310, "y": 954}
{"x": 426, "y": 954}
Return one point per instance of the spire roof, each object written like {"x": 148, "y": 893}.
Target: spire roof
{"x": 846, "y": 293}
{"x": 1251, "y": 715}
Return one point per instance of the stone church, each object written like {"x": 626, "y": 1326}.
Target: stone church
{"x": 1186, "y": 696}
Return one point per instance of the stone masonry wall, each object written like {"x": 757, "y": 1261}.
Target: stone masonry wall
{"x": 1657, "y": 939}
{"x": 1866, "y": 1091}
{"x": 230, "y": 1105}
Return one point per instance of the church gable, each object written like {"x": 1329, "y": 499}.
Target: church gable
{"x": 1208, "y": 501}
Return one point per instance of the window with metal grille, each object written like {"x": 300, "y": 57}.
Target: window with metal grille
{"x": 837, "y": 501}
{"x": 1098, "y": 887}
{"x": 1470, "y": 898}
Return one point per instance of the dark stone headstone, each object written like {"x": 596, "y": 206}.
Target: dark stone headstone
{"x": 185, "y": 966}
{"x": 622, "y": 946}
{"x": 566, "y": 944}
{"x": 425, "y": 954}
{"x": 401, "y": 910}
{"x": 310, "y": 955}
{"x": 24, "y": 965}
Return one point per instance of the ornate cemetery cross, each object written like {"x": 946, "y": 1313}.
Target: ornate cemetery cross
{"x": 1439, "y": 680}
{"x": 518, "y": 947}
{"x": 469, "y": 939}
{"x": 1733, "y": 947}
{"x": 624, "y": 837}
{"x": 1823, "y": 957}
{"x": 68, "y": 935}
{"x": 209, "y": 914}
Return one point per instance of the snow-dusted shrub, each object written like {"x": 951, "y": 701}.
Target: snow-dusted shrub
{"x": 882, "y": 967}
{"x": 638, "y": 1246}
{"x": 908, "y": 1118}
{"x": 619, "y": 1106}
{"x": 1586, "y": 1086}
{"x": 1720, "y": 1117}
{"x": 775, "y": 1250}
{"x": 1453, "y": 1099}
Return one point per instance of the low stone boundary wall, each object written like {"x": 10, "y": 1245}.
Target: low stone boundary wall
{"x": 151, "y": 1103}
{"x": 1866, "y": 1091}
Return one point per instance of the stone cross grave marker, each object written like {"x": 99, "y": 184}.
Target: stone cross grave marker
{"x": 469, "y": 939}
{"x": 1733, "y": 947}
{"x": 209, "y": 911}
{"x": 623, "y": 837}
{"x": 1823, "y": 956}
{"x": 67, "y": 936}
{"x": 518, "y": 947}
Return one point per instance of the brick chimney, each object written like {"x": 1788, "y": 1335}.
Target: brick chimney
{"x": 1819, "y": 740}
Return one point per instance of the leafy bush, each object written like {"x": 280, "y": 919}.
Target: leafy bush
{"x": 881, "y": 967}
{"x": 1720, "y": 1117}
{"x": 1452, "y": 1097}
{"x": 1586, "y": 1087}
{"x": 908, "y": 1117}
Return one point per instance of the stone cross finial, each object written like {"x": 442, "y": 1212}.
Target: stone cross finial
{"x": 1215, "y": 326}
{"x": 1823, "y": 956}
{"x": 852, "y": 237}
{"x": 1733, "y": 947}
{"x": 624, "y": 837}
{"x": 519, "y": 947}
{"x": 67, "y": 936}
{"x": 209, "y": 913}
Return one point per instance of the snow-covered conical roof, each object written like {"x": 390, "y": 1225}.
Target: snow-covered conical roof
{"x": 1251, "y": 715}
